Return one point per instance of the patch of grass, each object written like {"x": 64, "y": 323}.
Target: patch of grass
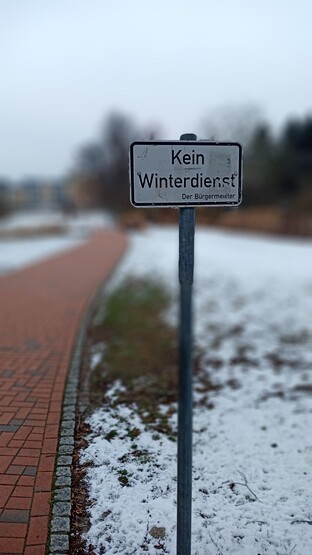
{"x": 141, "y": 351}
{"x": 111, "y": 435}
{"x": 134, "y": 329}
{"x": 123, "y": 477}
{"x": 133, "y": 433}
{"x": 141, "y": 455}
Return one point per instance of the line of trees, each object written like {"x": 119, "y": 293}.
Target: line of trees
{"x": 277, "y": 168}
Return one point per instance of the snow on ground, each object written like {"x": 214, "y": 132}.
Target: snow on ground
{"x": 16, "y": 253}
{"x": 252, "y": 460}
{"x": 39, "y": 218}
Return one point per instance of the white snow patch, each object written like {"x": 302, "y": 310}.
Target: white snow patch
{"x": 84, "y": 220}
{"x": 18, "y": 253}
{"x": 252, "y": 456}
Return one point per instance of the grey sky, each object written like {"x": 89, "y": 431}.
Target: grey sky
{"x": 66, "y": 64}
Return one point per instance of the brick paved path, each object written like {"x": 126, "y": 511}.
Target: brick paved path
{"x": 41, "y": 308}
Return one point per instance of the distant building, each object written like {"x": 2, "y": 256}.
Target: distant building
{"x": 35, "y": 194}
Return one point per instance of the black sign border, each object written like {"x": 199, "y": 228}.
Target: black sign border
{"x": 181, "y": 204}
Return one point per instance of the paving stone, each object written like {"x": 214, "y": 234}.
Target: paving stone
{"x": 61, "y": 508}
{"x": 30, "y": 471}
{"x": 67, "y": 415}
{"x": 70, "y": 399}
{"x": 67, "y": 440}
{"x": 71, "y": 392}
{"x": 60, "y": 524}
{"x": 14, "y": 515}
{"x": 63, "y": 471}
{"x": 69, "y": 407}
{"x": 65, "y": 460}
{"x": 62, "y": 481}
{"x": 8, "y": 428}
{"x": 16, "y": 422}
{"x": 59, "y": 542}
{"x": 68, "y": 426}
{"x": 66, "y": 449}
{"x": 62, "y": 494}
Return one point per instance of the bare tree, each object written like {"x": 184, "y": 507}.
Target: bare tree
{"x": 104, "y": 164}
{"x": 232, "y": 123}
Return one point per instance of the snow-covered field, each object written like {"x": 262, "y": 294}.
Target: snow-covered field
{"x": 252, "y": 459}
{"x": 16, "y": 253}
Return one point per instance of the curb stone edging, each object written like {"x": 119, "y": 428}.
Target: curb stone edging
{"x": 58, "y": 543}
{"x": 60, "y": 521}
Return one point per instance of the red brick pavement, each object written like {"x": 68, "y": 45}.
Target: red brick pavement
{"x": 41, "y": 308}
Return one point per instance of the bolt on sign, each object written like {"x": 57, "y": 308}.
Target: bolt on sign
{"x": 185, "y": 173}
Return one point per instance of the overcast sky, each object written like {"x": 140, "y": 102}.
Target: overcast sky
{"x": 66, "y": 64}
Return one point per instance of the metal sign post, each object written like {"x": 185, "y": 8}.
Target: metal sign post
{"x": 185, "y": 174}
{"x": 186, "y": 271}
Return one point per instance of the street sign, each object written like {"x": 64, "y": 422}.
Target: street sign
{"x": 185, "y": 173}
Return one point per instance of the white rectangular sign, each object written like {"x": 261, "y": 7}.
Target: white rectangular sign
{"x": 185, "y": 173}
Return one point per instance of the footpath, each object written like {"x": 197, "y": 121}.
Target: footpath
{"x": 41, "y": 310}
